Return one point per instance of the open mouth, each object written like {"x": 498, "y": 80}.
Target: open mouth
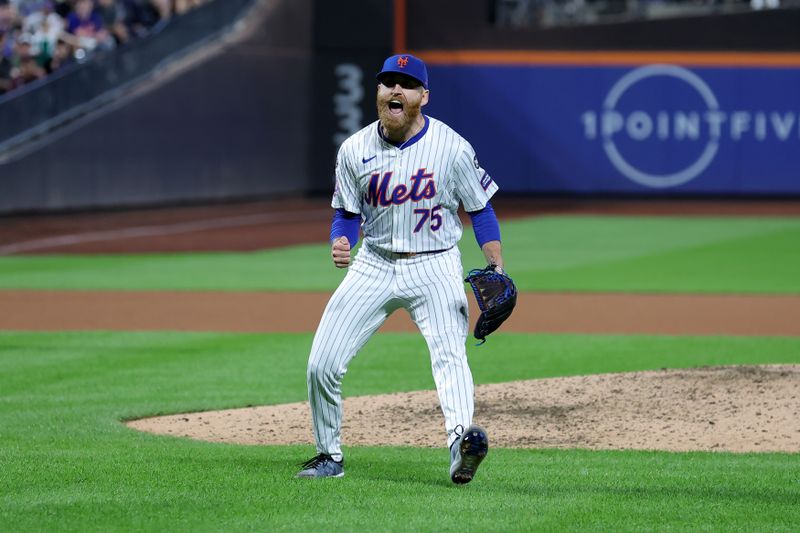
{"x": 395, "y": 107}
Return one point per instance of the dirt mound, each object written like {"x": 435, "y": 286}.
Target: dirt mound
{"x": 733, "y": 408}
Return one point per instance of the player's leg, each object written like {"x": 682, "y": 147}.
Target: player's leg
{"x": 438, "y": 305}
{"x": 357, "y": 308}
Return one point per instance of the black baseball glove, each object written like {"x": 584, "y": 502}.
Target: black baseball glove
{"x": 496, "y": 295}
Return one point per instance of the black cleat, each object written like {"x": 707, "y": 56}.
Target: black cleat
{"x": 466, "y": 454}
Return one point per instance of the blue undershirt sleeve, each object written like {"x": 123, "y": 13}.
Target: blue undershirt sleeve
{"x": 347, "y": 224}
{"x": 485, "y": 225}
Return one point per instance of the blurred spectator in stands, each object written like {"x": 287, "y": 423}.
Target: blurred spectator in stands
{"x": 164, "y": 8}
{"x": 140, "y": 16}
{"x": 8, "y": 16}
{"x": 86, "y": 25}
{"x": 9, "y": 28}
{"x": 63, "y": 55}
{"x": 168, "y": 8}
{"x": 765, "y": 4}
{"x": 40, "y": 36}
{"x": 182, "y": 6}
{"x": 43, "y": 27}
{"x": 113, "y": 15}
{"x": 5, "y": 65}
{"x": 26, "y": 7}
{"x": 27, "y": 69}
{"x": 64, "y": 7}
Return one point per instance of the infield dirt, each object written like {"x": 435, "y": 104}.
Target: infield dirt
{"x": 732, "y": 409}
{"x": 735, "y": 409}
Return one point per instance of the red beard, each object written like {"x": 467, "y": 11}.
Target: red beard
{"x": 398, "y": 125}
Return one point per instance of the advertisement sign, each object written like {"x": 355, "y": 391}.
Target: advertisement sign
{"x": 660, "y": 129}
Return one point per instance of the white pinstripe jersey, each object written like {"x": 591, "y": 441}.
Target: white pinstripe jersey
{"x": 408, "y": 195}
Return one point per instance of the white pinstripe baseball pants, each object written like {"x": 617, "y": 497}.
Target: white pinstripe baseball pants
{"x": 430, "y": 287}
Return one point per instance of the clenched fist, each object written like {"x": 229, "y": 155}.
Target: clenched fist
{"x": 340, "y": 252}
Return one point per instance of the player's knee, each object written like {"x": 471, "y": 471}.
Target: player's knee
{"x": 318, "y": 372}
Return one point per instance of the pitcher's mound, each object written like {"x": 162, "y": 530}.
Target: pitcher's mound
{"x": 734, "y": 408}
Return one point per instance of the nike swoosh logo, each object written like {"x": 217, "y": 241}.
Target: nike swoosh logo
{"x": 365, "y": 161}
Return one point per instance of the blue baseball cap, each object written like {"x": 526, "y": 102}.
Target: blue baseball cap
{"x": 406, "y": 64}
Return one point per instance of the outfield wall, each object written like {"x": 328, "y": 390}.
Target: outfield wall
{"x": 583, "y": 110}
{"x": 261, "y": 114}
{"x": 648, "y": 128}
{"x": 232, "y": 124}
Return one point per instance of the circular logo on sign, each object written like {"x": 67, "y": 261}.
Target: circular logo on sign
{"x": 640, "y": 125}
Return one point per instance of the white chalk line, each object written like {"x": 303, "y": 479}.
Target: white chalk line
{"x": 164, "y": 229}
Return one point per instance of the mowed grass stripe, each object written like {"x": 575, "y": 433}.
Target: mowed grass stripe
{"x": 766, "y": 263}
{"x": 270, "y": 368}
{"x": 69, "y": 464}
{"x": 547, "y": 253}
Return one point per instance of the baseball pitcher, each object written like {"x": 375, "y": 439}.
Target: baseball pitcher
{"x": 400, "y": 181}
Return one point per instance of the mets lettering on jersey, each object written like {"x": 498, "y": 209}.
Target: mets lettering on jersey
{"x": 377, "y": 194}
{"x": 408, "y": 195}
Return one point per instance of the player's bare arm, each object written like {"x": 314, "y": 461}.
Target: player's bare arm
{"x": 340, "y": 252}
{"x": 493, "y": 252}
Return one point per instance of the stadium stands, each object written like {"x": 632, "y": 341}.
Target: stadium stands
{"x": 38, "y": 37}
{"x": 551, "y": 13}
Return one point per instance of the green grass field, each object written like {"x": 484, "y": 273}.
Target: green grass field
{"x": 68, "y": 463}
{"x": 657, "y": 254}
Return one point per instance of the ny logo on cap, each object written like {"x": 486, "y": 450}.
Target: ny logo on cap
{"x": 402, "y": 62}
